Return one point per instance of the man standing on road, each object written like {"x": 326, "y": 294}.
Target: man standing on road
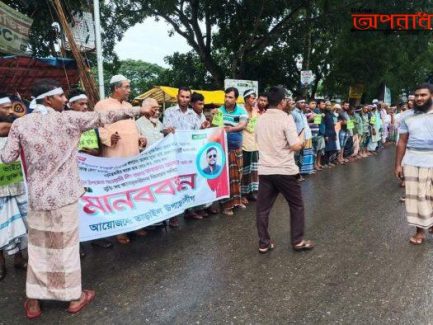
{"x": 277, "y": 140}
{"x": 120, "y": 139}
{"x": 414, "y": 162}
{"x": 181, "y": 117}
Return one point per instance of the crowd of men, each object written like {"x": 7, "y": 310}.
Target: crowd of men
{"x": 273, "y": 142}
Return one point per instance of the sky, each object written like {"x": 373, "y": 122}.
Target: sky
{"x": 149, "y": 41}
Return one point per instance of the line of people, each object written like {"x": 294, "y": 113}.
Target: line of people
{"x": 337, "y": 134}
{"x": 262, "y": 136}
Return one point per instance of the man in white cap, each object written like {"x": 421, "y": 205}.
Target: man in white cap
{"x": 120, "y": 139}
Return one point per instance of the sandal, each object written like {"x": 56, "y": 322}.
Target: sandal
{"x": 304, "y": 245}
{"x": 89, "y": 295}
{"x": 123, "y": 239}
{"x": 270, "y": 247}
{"x": 416, "y": 240}
{"x": 31, "y": 314}
{"x": 141, "y": 233}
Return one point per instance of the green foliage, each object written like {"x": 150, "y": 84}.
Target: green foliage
{"x": 143, "y": 75}
{"x": 260, "y": 40}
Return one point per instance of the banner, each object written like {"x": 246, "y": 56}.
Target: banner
{"x": 183, "y": 170}
{"x": 14, "y": 30}
{"x": 242, "y": 85}
{"x": 307, "y": 77}
{"x": 356, "y": 91}
{"x": 11, "y": 173}
{"x": 83, "y": 30}
{"x": 387, "y": 95}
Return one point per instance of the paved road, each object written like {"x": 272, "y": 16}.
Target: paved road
{"x": 209, "y": 272}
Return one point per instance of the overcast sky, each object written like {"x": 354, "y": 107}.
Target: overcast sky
{"x": 150, "y": 42}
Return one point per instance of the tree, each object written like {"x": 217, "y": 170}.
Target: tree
{"x": 143, "y": 75}
{"x": 223, "y": 34}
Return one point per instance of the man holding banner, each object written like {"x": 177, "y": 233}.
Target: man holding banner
{"x": 181, "y": 117}
{"x": 120, "y": 139}
{"x": 13, "y": 202}
{"x": 48, "y": 140}
{"x": 234, "y": 119}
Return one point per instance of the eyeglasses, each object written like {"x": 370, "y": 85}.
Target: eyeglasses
{"x": 212, "y": 156}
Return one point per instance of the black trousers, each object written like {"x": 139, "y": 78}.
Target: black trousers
{"x": 269, "y": 188}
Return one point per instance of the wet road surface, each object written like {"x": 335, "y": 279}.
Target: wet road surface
{"x": 363, "y": 270}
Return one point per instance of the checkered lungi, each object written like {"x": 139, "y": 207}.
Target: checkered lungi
{"x": 419, "y": 196}
{"x": 235, "y": 173}
{"x": 250, "y": 175}
{"x": 54, "y": 269}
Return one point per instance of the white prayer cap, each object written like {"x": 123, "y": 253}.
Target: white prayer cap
{"x": 375, "y": 101}
{"x": 117, "y": 78}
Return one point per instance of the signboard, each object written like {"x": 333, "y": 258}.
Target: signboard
{"x": 14, "y": 27}
{"x": 356, "y": 91}
{"x": 242, "y": 85}
{"x": 387, "y": 96}
{"x": 83, "y": 30}
{"x": 307, "y": 77}
{"x": 182, "y": 170}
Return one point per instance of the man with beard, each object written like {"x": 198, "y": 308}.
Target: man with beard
{"x": 150, "y": 127}
{"x": 13, "y": 204}
{"x": 262, "y": 103}
{"x": 414, "y": 162}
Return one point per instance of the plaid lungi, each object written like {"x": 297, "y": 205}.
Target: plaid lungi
{"x": 54, "y": 269}
{"x": 235, "y": 173}
{"x": 307, "y": 158}
{"x": 13, "y": 223}
{"x": 419, "y": 196}
{"x": 250, "y": 175}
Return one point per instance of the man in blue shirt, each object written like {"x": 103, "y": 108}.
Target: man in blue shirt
{"x": 235, "y": 120}
{"x": 414, "y": 162}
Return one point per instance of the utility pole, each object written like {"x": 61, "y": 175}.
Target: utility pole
{"x": 99, "y": 58}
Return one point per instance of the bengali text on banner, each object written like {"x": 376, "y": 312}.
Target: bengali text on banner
{"x": 183, "y": 170}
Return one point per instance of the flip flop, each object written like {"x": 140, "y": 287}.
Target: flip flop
{"x": 416, "y": 241}
{"x": 89, "y": 295}
{"x": 305, "y": 245}
{"x": 30, "y": 314}
{"x": 123, "y": 239}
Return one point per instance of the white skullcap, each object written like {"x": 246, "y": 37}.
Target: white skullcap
{"x": 117, "y": 78}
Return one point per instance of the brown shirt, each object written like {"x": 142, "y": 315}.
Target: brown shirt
{"x": 275, "y": 133}
{"x": 49, "y": 143}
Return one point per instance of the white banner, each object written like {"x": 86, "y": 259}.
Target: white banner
{"x": 242, "y": 85}
{"x": 83, "y": 29}
{"x": 181, "y": 171}
{"x": 307, "y": 77}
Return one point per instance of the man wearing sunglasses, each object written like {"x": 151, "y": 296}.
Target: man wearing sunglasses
{"x": 213, "y": 168}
